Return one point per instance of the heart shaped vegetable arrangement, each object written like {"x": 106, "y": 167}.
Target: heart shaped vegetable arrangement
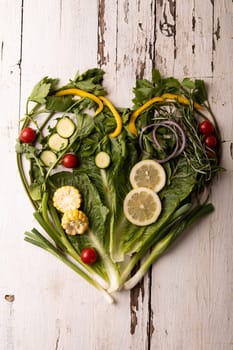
{"x": 111, "y": 188}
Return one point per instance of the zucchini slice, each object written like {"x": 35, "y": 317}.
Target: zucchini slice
{"x": 57, "y": 143}
{"x": 65, "y": 127}
{"x": 48, "y": 157}
{"x": 102, "y": 160}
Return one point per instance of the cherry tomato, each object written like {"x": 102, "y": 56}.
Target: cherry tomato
{"x": 27, "y": 135}
{"x": 70, "y": 160}
{"x": 206, "y": 127}
{"x": 88, "y": 256}
{"x": 210, "y": 141}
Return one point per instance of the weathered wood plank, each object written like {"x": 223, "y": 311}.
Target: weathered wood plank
{"x": 221, "y": 242}
{"x": 126, "y": 37}
{"x": 9, "y": 97}
{"x": 197, "y": 272}
{"x": 194, "y": 42}
{"x": 165, "y": 39}
{"x": 186, "y": 302}
{"x": 44, "y": 312}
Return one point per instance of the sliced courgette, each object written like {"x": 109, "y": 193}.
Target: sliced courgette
{"x": 57, "y": 143}
{"x": 35, "y": 192}
{"x": 65, "y": 127}
{"x": 48, "y": 157}
{"x": 102, "y": 160}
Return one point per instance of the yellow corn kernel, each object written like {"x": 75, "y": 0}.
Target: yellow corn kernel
{"x": 74, "y": 222}
{"x": 66, "y": 198}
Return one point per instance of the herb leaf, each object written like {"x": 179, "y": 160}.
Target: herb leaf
{"x": 59, "y": 103}
{"x": 42, "y": 89}
{"x": 90, "y": 81}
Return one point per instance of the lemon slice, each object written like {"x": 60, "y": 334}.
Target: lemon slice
{"x": 142, "y": 206}
{"x": 148, "y": 173}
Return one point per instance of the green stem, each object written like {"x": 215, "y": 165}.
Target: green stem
{"x": 50, "y": 230}
{"x": 24, "y": 180}
{"x": 29, "y": 114}
{"x": 166, "y": 242}
{"x": 37, "y": 239}
{"x": 177, "y": 217}
{"x": 70, "y": 249}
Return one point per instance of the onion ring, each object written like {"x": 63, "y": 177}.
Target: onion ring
{"x": 172, "y": 126}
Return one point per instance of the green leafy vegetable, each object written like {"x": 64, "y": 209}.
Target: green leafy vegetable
{"x": 42, "y": 89}
{"x": 119, "y": 244}
{"x": 59, "y": 103}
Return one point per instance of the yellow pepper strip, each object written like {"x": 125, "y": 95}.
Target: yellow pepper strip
{"x": 180, "y": 99}
{"x": 82, "y": 93}
{"x": 116, "y": 115}
{"x": 131, "y": 126}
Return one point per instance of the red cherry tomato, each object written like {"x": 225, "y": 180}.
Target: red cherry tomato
{"x": 70, "y": 160}
{"x": 88, "y": 256}
{"x": 210, "y": 141}
{"x": 206, "y": 127}
{"x": 27, "y": 135}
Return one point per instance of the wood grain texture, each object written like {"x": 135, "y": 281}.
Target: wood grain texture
{"x": 186, "y": 300}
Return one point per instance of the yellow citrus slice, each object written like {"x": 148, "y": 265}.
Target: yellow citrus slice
{"x": 142, "y": 206}
{"x": 148, "y": 173}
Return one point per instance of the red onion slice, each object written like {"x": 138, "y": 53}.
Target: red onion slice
{"x": 156, "y": 142}
{"x": 182, "y": 133}
{"x": 173, "y": 127}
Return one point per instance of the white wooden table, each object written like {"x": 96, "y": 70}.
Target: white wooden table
{"x": 186, "y": 302}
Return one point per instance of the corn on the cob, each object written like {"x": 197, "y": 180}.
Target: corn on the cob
{"x": 74, "y": 222}
{"x": 66, "y": 198}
